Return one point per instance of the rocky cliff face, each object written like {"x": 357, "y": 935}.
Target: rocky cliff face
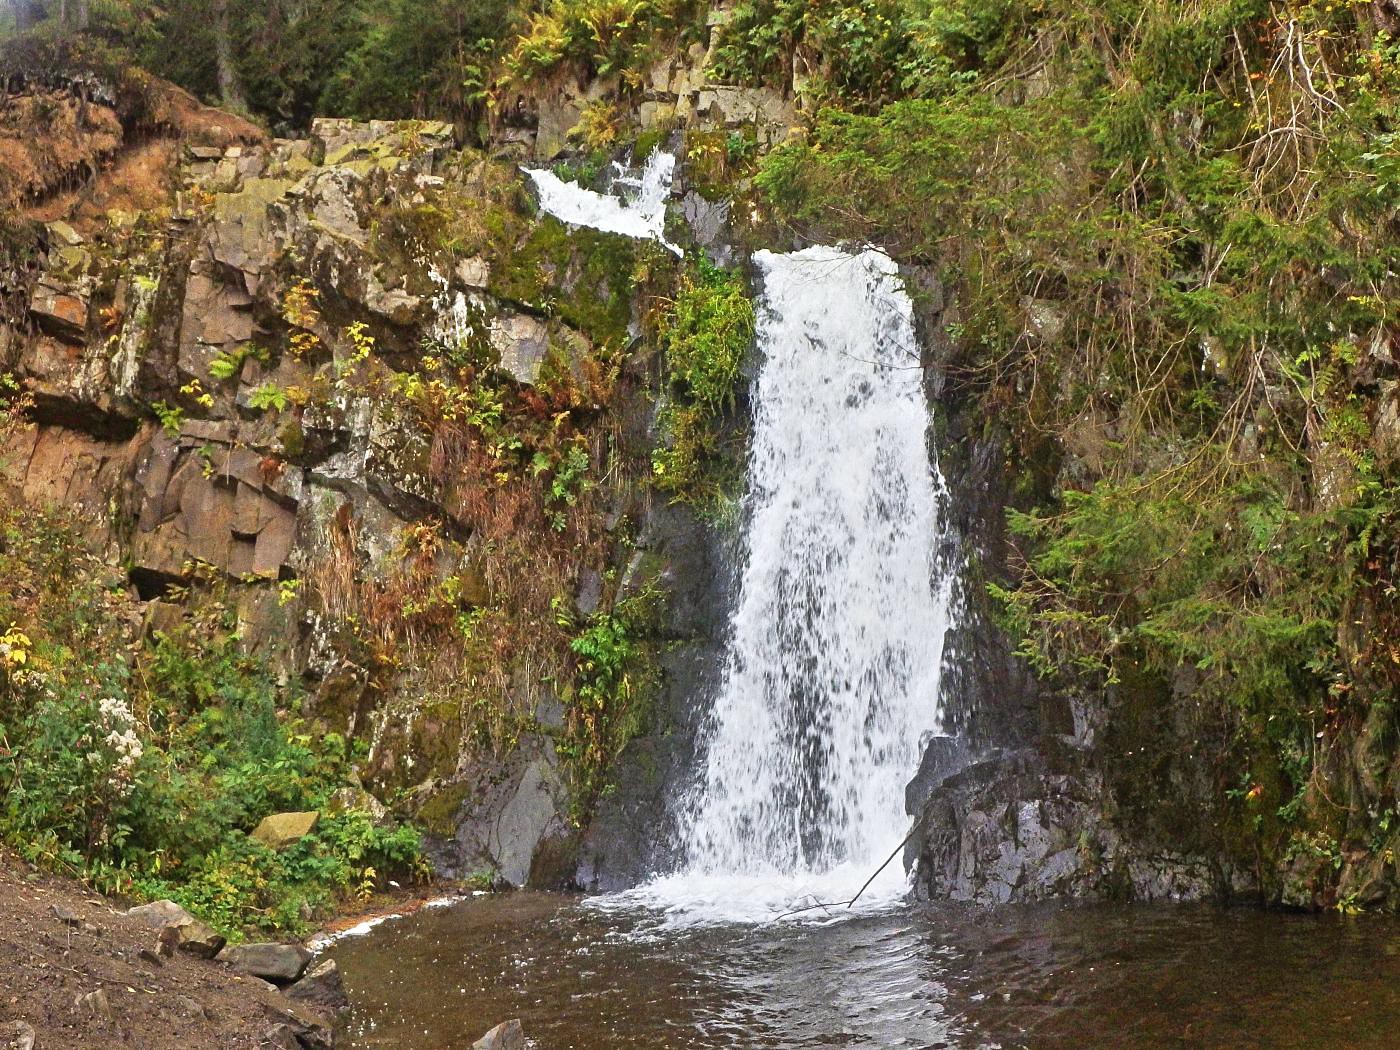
{"x": 400, "y": 422}
{"x": 355, "y": 389}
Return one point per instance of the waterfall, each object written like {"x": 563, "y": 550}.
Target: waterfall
{"x": 637, "y": 210}
{"x": 830, "y": 688}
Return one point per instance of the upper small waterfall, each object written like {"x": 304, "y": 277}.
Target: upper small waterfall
{"x": 638, "y": 210}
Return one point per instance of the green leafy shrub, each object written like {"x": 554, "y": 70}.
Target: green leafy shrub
{"x": 147, "y": 774}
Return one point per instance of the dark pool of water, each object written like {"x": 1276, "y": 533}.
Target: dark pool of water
{"x": 1081, "y": 976}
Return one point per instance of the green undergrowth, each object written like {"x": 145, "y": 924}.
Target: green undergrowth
{"x": 141, "y": 766}
{"x": 1170, "y": 234}
{"x": 705, "y": 335}
{"x": 615, "y": 679}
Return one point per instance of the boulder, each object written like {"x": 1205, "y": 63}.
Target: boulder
{"x": 278, "y": 963}
{"x": 508, "y": 1035}
{"x": 522, "y": 341}
{"x": 321, "y": 987}
{"x": 280, "y": 830}
{"x": 199, "y": 940}
{"x": 179, "y": 929}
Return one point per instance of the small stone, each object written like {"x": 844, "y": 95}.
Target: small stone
{"x": 167, "y": 941}
{"x": 474, "y": 272}
{"x": 190, "y": 1009}
{"x": 522, "y": 341}
{"x": 322, "y": 987}
{"x": 16, "y": 1035}
{"x": 150, "y": 957}
{"x": 59, "y": 312}
{"x": 95, "y": 1004}
{"x": 282, "y": 829}
{"x": 508, "y": 1035}
{"x": 590, "y": 593}
{"x": 279, "y": 963}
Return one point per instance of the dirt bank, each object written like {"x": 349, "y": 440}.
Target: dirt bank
{"x": 60, "y": 944}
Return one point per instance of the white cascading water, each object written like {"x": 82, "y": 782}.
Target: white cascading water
{"x": 831, "y": 684}
{"x": 830, "y": 689}
{"x": 640, "y": 210}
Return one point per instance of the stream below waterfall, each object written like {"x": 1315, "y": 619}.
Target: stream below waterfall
{"x": 959, "y": 977}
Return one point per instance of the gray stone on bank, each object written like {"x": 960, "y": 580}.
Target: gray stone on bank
{"x": 179, "y": 929}
{"x": 278, "y": 963}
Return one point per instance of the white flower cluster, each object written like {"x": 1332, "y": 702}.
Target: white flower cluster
{"x": 121, "y": 739}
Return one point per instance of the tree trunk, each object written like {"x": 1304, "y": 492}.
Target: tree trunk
{"x": 230, "y": 87}
{"x": 82, "y": 15}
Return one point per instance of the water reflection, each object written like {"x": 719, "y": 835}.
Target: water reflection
{"x": 1068, "y": 977}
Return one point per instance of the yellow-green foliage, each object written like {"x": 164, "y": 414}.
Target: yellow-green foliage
{"x": 602, "y": 36}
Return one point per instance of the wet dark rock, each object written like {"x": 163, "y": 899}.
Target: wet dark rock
{"x": 322, "y": 987}
{"x": 632, "y": 834}
{"x": 505, "y": 813}
{"x": 508, "y": 1035}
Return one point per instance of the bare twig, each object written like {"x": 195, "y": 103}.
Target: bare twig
{"x": 838, "y": 904}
